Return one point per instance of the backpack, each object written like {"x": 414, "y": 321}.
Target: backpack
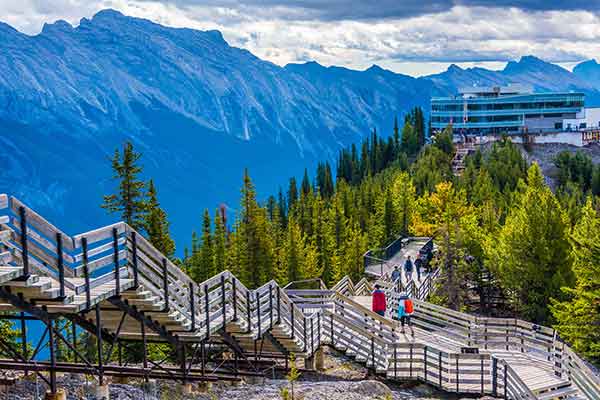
{"x": 409, "y": 307}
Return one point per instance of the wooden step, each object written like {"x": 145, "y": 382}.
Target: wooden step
{"x": 561, "y": 393}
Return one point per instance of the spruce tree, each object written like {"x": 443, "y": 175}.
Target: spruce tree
{"x": 531, "y": 254}
{"x": 219, "y": 243}
{"x": 306, "y": 187}
{"x": 156, "y": 224}
{"x": 292, "y": 194}
{"x": 202, "y": 265}
{"x": 129, "y": 200}
{"x": 578, "y": 315}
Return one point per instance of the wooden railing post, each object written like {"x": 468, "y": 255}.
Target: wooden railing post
{"x": 425, "y": 362}
{"x": 278, "y": 305}
{"x": 304, "y": 337}
{"x": 24, "y": 247}
{"x": 457, "y": 375}
{"x": 505, "y": 381}
{"x": 494, "y": 377}
{"x": 318, "y": 330}
{"x": 115, "y": 234}
{"x": 86, "y": 273}
{"x": 258, "y": 314}
{"x": 135, "y": 259}
{"x": 234, "y": 290}
{"x": 223, "y": 302}
{"x": 207, "y": 311}
{"x": 270, "y": 306}
{"x": 192, "y": 307}
{"x": 61, "y": 265}
{"x": 248, "y": 311}
{"x": 292, "y": 319}
{"x": 165, "y": 277}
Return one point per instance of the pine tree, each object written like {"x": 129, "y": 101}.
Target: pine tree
{"x": 531, "y": 255}
{"x": 219, "y": 243}
{"x": 447, "y": 216}
{"x": 129, "y": 201}
{"x": 292, "y": 195}
{"x": 306, "y": 187}
{"x": 293, "y": 251}
{"x": 578, "y": 316}
{"x": 156, "y": 224}
{"x": 203, "y": 267}
{"x": 403, "y": 198}
{"x": 396, "y": 136}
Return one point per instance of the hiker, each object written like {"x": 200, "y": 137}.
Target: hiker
{"x": 408, "y": 266}
{"x": 405, "y": 310}
{"x": 395, "y": 274}
{"x": 379, "y": 301}
{"x": 418, "y": 263}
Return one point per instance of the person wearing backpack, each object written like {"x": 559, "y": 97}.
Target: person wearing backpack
{"x": 379, "y": 304}
{"x": 395, "y": 274}
{"x": 405, "y": 310}
{"x": 408, "y": 267}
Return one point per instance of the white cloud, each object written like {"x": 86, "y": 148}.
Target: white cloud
{"x": 415, "y": 45}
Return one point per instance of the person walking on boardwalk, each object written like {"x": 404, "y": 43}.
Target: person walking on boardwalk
{"x": 418, "y": 264}
{"x": 405, "y": 310}
{"x": 379, "y": 304}
{"x": 408, "y": 267}
{"x": 395, "y": 274}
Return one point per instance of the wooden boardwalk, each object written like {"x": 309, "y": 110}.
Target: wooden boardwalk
{"x": 116, "y": 286}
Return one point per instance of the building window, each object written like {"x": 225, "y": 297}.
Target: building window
{"x": 558, "y": 125}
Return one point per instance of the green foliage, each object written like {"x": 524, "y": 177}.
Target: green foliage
{"x": 129, "y": 200}
{"x": 157, "y": 225}
{"x": 140, "y": 209}
{"x": 531, "y": 254}
{"x": 431, "y": 168}
{"x": 444, "y": 142}
{"x": 578, "y": 315}
{"x": 292, "y": 376}
{"x": 576, "y": 168}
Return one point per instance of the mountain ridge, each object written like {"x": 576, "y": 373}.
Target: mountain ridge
{"x": 198, "y": 109}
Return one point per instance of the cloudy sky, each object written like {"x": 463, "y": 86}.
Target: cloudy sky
{"x": 416, "y": 37}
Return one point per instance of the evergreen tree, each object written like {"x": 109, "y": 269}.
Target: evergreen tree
{"x": 306, "y": 187}
{"x": 403, "y": 199}
{"x": 202, "y": 267}
{"x": 156, "y": 224}
{"x": 447, "y": 216}
{"x": 578, "y": 316}
{"x": 292, "y": 194}
{"x": 396, "y": 136}
{"x": 219, "y": 243}
{"x": 129, "y": 200}
{"x": 531, "y": 255}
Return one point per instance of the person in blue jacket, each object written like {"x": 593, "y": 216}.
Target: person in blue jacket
{"x": 405, "y": 311}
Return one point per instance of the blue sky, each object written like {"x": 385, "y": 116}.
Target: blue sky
{"x": 408, "y": 36}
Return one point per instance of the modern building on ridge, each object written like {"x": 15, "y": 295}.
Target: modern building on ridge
{"x": 510, "y": 110}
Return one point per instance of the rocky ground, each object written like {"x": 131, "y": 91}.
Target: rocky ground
{"x": 544, "y": 155}
{"x": 341, "y": 379}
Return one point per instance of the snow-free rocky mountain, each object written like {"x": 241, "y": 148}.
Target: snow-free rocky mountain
{"x": 198, "y": 109}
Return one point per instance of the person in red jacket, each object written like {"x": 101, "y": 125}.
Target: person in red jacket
{"x": 379, "y": 305}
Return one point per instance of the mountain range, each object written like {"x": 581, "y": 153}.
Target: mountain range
{"x": 199, "y": 110}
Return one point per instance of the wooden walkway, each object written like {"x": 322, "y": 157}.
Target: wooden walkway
{"x": 115, "y": 285}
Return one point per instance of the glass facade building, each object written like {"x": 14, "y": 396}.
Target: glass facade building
{"x": 504, "y": 110}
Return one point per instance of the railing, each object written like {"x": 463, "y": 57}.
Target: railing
{"x": 503, "y": 334}
{"x": 117, "y": 255}
{"x": 121, "y": 258}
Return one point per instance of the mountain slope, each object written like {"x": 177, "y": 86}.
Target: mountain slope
{"x": 198, "y": 109}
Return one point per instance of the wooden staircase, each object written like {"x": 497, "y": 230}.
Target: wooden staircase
{"x": 113, "y": 282}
